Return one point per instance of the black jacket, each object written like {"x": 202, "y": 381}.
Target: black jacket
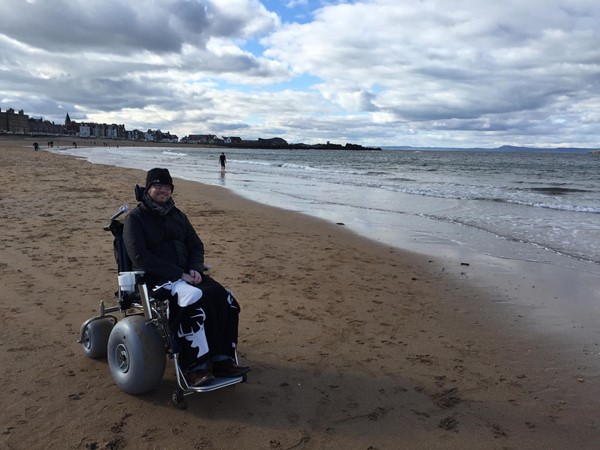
{"x": 163, "y": 246}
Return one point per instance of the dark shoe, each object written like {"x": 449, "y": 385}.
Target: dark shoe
{"x": 228, "y": 369}
{"x": 199, "y": 378}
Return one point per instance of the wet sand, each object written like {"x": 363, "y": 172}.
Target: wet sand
{"x": 353, "y": 344}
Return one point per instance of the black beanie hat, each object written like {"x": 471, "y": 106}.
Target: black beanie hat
{"x": 157, "y": 175}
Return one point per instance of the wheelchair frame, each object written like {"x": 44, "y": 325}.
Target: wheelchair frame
{"x": 99, "y": 335}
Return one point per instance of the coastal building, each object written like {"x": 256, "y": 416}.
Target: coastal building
{"x": 233, "y": 140}
{"x": 135, "y": 135}
{"x": 44, "y": 127}
{"x": 85, "y": 130}
{"x": 159, "y": 136}
{"x": 272, "y": 142}
{"x": 97, "y": 130}
{"x": 71, "y": 128}
{"x": 201, "y": 139}
{"x": 115, "y": 131}
{"x": 11, "y": 122}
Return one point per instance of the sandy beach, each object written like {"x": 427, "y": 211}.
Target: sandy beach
{"x": 353, "y": 344}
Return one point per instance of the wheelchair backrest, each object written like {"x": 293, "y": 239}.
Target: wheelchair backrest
{"x": 124, "y": 263}
{"x": 139, "y": 192}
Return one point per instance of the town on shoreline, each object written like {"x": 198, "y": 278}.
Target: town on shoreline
{"x": 20, "y": 124}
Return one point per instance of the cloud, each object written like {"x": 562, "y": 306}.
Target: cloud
{"x": 116, "y": 55}
{"x": 382, "y": 71}
{"x": 111, "y": 26}
{"x": 129, "y": 27}
{"x": 454, "y": 61}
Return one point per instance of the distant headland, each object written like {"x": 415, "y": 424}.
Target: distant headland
{"x": 281, "y": 144}
{"x": 501, "y": 149}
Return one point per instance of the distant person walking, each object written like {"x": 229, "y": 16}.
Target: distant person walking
{"x": 222, "y": 159}
{"x": 36, "y": 146}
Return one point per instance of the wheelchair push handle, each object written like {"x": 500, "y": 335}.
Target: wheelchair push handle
{"x": 122, "y": 210}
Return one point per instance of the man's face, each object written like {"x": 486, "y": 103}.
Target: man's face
{"x": 160, "y": 193}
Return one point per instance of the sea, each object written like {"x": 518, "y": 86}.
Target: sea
{"x": 526, "y": 224}
{"x": 530, "y": 205}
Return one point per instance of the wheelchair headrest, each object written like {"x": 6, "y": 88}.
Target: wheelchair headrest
{"x": 139, "y": 192}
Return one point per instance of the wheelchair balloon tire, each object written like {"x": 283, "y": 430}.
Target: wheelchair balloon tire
{"x": 136, "y": 355}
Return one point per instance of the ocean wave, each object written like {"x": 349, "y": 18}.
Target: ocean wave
{"x": 300, "y": 166}
{"x": 478, "y": 193}
{"x": 553, "y": 246}
{"x": 566, "y": 198}
{"x": 171, "y": 153}
{"x": 555, "y": 190}
{"x": 559, "y": 207}
{"x": 534, "y": 204}
{"x": 255, "y": 163}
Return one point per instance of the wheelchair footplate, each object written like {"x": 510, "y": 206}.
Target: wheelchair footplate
{"x": 218, "y": 383}
{"x": 184, "y": 389}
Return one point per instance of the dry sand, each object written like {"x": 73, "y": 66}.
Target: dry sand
{"x": 353, "y": 345}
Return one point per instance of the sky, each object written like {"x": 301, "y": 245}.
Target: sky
{"x": 424, "y": 73}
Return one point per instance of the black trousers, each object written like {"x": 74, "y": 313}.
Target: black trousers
{"x": 206, "y": 328}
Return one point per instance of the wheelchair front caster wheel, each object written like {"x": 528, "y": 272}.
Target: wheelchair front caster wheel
{"x": 178, "y": 399}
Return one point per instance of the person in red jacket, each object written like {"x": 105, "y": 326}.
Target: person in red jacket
{"x": 161, "y": 241}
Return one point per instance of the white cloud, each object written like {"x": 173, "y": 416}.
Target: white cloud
{"x": 439, "y": 60}
{"x": 386, "y": 72}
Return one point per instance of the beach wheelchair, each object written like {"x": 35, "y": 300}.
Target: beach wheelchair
{"x": 138, "y": 344}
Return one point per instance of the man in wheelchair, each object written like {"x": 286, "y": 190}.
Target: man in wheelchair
{"x": 161, "y": 241}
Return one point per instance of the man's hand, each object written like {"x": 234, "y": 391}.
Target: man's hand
{"x": 193, "y": 277}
